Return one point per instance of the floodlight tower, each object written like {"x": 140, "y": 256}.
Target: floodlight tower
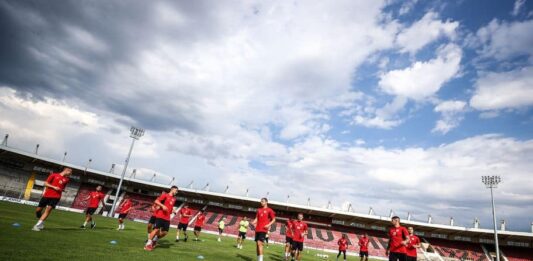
{"x": 135, "y": 134}
{"x": 492, "y": 182}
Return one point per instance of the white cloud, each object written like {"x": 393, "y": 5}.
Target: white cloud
{"x": 496, "y": 42}
{"x": 517, "y": 7}
{"x": 423, "y": 79}
{"x": 451, "y": 115}
{"x": 424, "y": 31}
{"x": 407, "y": 6}
{"x": 513, "y": 89}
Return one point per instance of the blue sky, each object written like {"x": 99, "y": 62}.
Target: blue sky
{"x": 397, "y": 105}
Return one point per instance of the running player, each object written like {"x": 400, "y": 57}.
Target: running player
{"x": 94, "y": 198}
{"x": 267, "y": 237}
{"x": 299, "y": 232}
{"x": 198, "y": 224}
{"x": 414, "y": 243}
{"x": 243, "y": 228}
{"x": 54, "y": 186}
{"x": 162, "y": 221}
{"x": 124, "y": 209}
{"x": 398, "y": 239}
{"x": 264, "y": 218}
{"x": 343, "y": 245}
{"x": 185, "y": 214}
{"x": 221, "y": 225}
{"x": 151, "y": 222}
{"x": 288, "y": 238}
{"x": 363, "y": 247}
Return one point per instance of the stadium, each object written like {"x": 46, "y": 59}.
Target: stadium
{"x": 23, "y": 174}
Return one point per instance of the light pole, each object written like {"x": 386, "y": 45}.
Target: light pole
{"x": 135, "y": 134}
{"x": 492, "y": 182}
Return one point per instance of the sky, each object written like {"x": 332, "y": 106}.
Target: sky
{"x": 399, "y": 105}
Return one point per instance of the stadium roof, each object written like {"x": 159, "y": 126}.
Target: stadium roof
{"x": 347, "y": 217}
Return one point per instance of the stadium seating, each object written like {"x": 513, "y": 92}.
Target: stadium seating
{"x": 12, "y": 182}
{"x": 517, "y": 253}
{"x": 458, "y": 250}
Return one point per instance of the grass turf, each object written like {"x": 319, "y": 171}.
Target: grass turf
{"x": 62, "y": 239}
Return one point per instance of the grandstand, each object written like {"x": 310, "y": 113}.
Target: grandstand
{"x": 22, "y": 175}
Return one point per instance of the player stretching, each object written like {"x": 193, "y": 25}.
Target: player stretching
{"x": 398, "y": 239}
{"x": 414, "y": 243}
{"x": 151, "y": 222}
{"x": 185, "y": 214}
{"x": 363, "y": 247}
{"x": 264, "y": 218}
{"x": 198, "y": 225}
{"x": 124, "y": 209}
{"x": 94, "y": 198}
{"x": 243, "y": 228}
{"x": 162, "y": 221}
{"x": 54, "y": 186}
{"x": 221, "y": 225}
{"x": 299, "y": 231}
{"x": 288, "y": 239}
{"x": 343, "y": 245}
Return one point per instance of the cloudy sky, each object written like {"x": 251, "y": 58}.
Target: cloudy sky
{"x": 392, "y": 104}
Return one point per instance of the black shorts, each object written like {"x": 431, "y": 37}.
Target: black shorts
{"x": 182, "y": 226}
{"x": 260, "y": 236}
{"x": 152, "y": 220}
{"x": 297, "y": 246}
{"x": 90, "y": 211}
{"x": 122, "y": 216}
{"x": 48, "y": 202}
{"x": 363, "y": 253}
{"x": 220, "y": 230}
{"x": 162, "y": 224}
{"x": 410, "y": 258}
{"x": 288, "y": 240}
{"x": 197, "y": 229}
{"x": 242, "y": 235}
{"x": 393, "y": 256}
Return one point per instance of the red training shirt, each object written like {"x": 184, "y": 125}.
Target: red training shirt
{"x": 396, "y": 236}
{"x": 94, "y": 198}
{"x": 168, "y": 200}
{"x": 199, "y": 220}
{"x": 298, "y": 228}
{"x": 411, "y": 249}
{"x": 55, "y": 179}
{"x": 363, "y": 244}
{"x": 154, "y": 208}
{"x": 125, "y": 207}
{"x": 288, "y": 229}
{"x": 343, "y": 244}
{"x": 185, "y": 219}
{"x": 264, "y": 216}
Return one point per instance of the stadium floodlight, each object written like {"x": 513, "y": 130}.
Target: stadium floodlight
{"x": 112, "y": 169}
{"x": 64, "y": 156}
{"x": 371, "y": 211}
{"x": 226, "y": 190}
{"x": 492, "y": 182}
{"x": 190, "y": 184}
{"x": 135, "y": 134}
{"x": 153, "y": 177}
{"x": 288, "y": 197}
{"x": 4, "y": 142}
{"x": 37, "y": 149}
{"x": 247, "y": 191}
{"x": 87, "y": 165}
{"x": 206, "y": 187}
{"x": 308, "y": 202}
{"x": 172, "y": 181}
{"x": 409, "y": 216}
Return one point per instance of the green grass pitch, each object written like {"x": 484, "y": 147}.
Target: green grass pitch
{"x": 62, "y": 239}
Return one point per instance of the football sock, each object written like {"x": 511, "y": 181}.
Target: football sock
{"x": 260, "y": 258}
{"x": 40, "y": 222}
{"x": 85, "y": 223}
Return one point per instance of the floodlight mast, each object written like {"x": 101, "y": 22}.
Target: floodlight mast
{"x": 135, "y": 134}
{"x": 492, "y": 182}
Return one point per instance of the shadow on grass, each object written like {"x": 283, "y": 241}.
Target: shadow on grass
{"x": 246, "y": 258}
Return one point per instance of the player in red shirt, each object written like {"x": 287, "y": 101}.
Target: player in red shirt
{"x": 54, "y": 185}
{"x": 363, "y": 247}
{"x": 288, "y": 238}
{"x": 162, "y": 221}
{"x": 151, "y": 221}
{"x": 198, "y": 224}
{"x": 185, "y": 214}
{"x": 343, "y": 245}
{"x": 414, "y": 243}
{"x": 299, "y": 232}
{"x": 94, "y": 198}
{"x": 398, "y": 239}
{"x": 264, "y": 218}
{"x": 124, "y": 209}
